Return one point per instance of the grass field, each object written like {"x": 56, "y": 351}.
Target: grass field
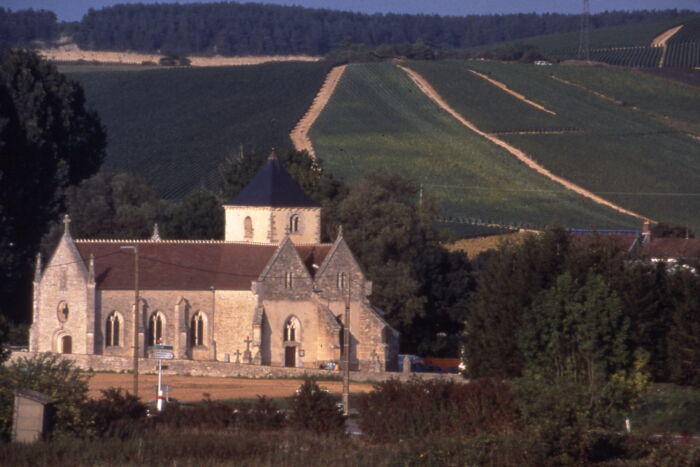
{"x": 625, "y": 155}
{"x": 379, "y": 120}
{"x": 175, "y": 126}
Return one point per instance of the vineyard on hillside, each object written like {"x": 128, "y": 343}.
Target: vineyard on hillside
{"x": 483, "y": 103}
{"x": 175, "y": 126}
{"x": 660, "y": 97}
{"x": 628, "y": 45}
{"x": 378, "y": 120}
{"x": 625, "y": 155}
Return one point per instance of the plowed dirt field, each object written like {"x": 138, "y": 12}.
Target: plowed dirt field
{"x": 192, "y": 388}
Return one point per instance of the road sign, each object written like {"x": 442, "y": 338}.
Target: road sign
{"x": 162, "y": 355}
{"x": 163, "y": 347}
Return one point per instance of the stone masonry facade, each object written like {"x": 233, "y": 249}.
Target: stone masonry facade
{"x": 242, "y": 301}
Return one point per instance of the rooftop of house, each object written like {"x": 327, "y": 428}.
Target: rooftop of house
{"x": 186, "y": 265}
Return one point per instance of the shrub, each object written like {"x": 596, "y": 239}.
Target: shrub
{"x": 418, "y": 408}
{"x": 116, "y": 414}
{"x": 262, "y": 415}
{"x": 59, "y": 379}
{"x": 317, "y": 410}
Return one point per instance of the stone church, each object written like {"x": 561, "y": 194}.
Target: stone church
{"x": 268, "y": 294}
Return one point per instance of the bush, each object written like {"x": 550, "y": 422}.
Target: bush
{"x": 317, "y": 410}
{"x": 116, "y": 414}
{"x": 57, "y": 378}
{"x": 262, "y": 415}
{"x": 418, "y": 408}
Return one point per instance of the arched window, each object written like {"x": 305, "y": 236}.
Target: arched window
{"x": 288, "y": 283}
{"x": 197, "y": 329}
{"x": 291, "y": 330}
{"x": 341, "y": 279}
{"x": 112, "y": 330}
{"x": 63, "y": 279}
{"x": 248, "y": 227}
{"x": 155, "y": 329}
{"x": 294, "y": 223}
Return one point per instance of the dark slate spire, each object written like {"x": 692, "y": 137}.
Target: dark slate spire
{"x": 273, "y": 186}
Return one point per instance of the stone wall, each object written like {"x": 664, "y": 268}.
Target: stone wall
{"x": 270, "y": 225}
{"x": 222, "y": 369}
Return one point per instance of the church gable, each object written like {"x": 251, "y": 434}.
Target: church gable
{"x": 285, "y": 277}
{"x": 339, "y": 272}
{"x": 66, "y": 269}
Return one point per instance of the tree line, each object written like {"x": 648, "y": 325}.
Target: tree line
{"x": 581, "y": 308}
{"x": 24, "y": 26}
{"x": 244, "y": 29}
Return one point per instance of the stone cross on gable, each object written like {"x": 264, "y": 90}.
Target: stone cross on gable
{"x": 66, "y": 223}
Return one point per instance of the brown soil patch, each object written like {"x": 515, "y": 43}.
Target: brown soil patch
{"x": 192, "y": 388}
{"x": 517, "y": 95}
{"x": 300, "y": 133}
{"x": 428, "y": 90}
{"x": 71, "y": 53}
{"x": 662, "y": 39}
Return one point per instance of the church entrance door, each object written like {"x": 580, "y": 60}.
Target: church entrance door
{"x": 290, "y": 356}
{"x": 66, "y": 344}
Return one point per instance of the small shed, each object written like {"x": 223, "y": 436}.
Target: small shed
{"x": 31, "y": 416}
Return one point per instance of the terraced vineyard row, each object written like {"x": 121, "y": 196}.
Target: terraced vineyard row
{"x": 625, "y": 156}
{"x": 378, "y": 120}
{"x": 176, "y": 126}
{"x": 683, "y": 55}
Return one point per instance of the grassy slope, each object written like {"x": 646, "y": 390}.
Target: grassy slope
{"x": 175, "y": 126}
{"x": 627, "y": 156}
{"x": 379, "y": 120}
{"x": 629, "y": 35}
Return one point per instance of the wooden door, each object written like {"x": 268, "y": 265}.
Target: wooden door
{"x": 290, "y": 356}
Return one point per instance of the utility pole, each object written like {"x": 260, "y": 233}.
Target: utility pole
{"x": 584, "y": 42}
{"x": 346, "y": 352}
{"x": 136, "y": 315}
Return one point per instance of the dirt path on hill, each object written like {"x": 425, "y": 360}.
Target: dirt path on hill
{"x": 71, "y": 53}
{"x": 662, "y": 39}
{"x": 300, "y": 133}
{"x": 192, "y": 388}
{"x": 428, "y": 90}
{"x": 517, "y": 95}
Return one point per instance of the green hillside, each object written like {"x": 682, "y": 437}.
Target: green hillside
{"x": 628, "y": 156}
{"x": 175, "y": 126}
{"x": 379, "y": 120}
{"x": 627, "y": 45}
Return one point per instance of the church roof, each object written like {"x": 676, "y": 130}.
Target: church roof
{"x": 185, "y": 265}
{"x": 273, "y": 186}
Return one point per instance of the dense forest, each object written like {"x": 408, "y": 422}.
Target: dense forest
{"x": 238, "y": 29}
{"x": 22, "y": 27}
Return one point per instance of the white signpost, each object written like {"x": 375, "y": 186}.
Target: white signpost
{"x": 162, "y": 352}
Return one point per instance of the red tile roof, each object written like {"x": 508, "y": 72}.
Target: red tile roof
{"x": 185, "y": 265}
{"x": 678, "y": 248}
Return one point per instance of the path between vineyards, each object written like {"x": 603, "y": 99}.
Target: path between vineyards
{"x": 300, "y": 133}
{"x": 429, "y": 91}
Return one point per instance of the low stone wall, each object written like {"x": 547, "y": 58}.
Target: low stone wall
{"x": 225, "y": 369}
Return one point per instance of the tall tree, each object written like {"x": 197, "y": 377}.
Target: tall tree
{"x": 49, "y": 141}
